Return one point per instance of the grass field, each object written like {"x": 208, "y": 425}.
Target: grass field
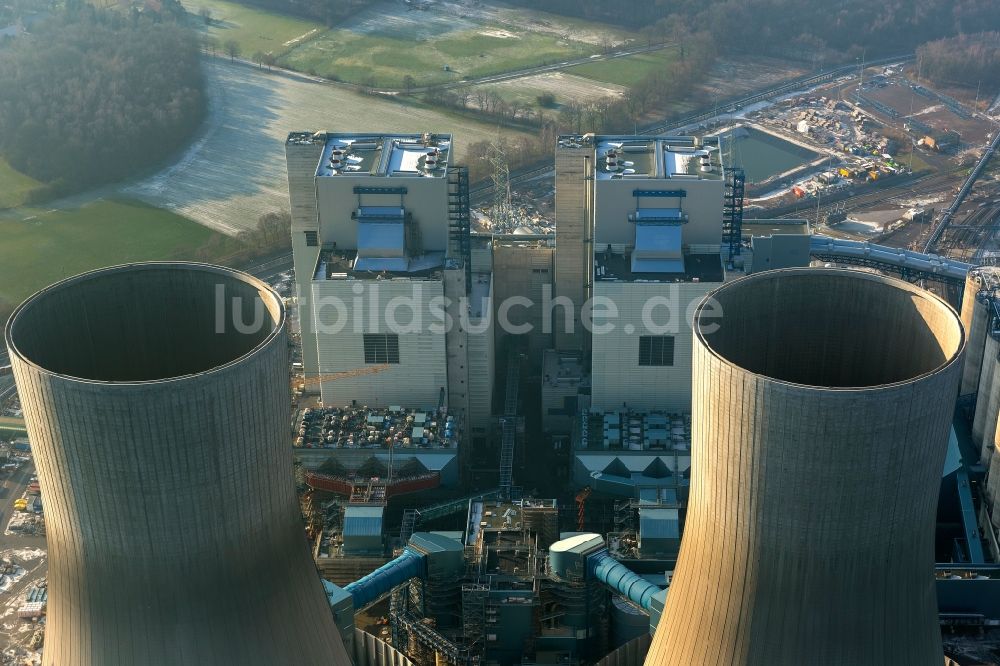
{"x": 385, "y": 61}
{"x": 40, "y": 247}
{"x": 626, "y": 71}
{"x": 14, "y": 186}
{"x": 236, "y": 171}
{"x": 253, "y": 29}
{"x": 565, "y": 87}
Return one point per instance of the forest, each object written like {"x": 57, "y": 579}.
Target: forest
{"x": 94, "y": 96}
{"x": 327, "y": 11}
{"x": 799, "y": 27}
{"x": 965, "y": 60}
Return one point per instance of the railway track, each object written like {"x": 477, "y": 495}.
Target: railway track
{"x": 974, "y": 175}
{"x": 890, "y": 194}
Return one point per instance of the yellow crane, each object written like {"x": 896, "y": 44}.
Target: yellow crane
{"x": 347, "y": 374}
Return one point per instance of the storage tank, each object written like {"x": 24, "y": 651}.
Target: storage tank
{"x": 822, "y": 404}
{"x": 156, "y": 399}
{"x": 628, "y": 621}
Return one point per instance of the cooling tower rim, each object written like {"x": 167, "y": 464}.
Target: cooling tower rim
{"x": 265, "y": 290}
{"x": 850, "y": 273}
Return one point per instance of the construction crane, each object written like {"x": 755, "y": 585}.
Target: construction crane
{"x": 347, "y": 374}
{"x": 581, "y": 504}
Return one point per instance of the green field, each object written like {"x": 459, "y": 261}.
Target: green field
{"x": 14, "y": 186}
{"x": 626, "y": 71}
{"x": 253, "y": 29}
{"x": 382, "y": 60}
{"x": 40, "y": 247}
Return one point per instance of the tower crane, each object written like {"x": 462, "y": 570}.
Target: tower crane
{"x": 347, "y": 374}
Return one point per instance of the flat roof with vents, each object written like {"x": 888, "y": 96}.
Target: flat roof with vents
{"x": 385, "y": 155}
{"x": 677, "y": 158}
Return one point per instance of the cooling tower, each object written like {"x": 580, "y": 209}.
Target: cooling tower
{"x": 158, "y": 412}
{"x": 821, "y": 412}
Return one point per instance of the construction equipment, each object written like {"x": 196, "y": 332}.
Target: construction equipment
{"x": 581, "y": 504}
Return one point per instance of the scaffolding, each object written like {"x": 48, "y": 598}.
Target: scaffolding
{"x": 475, "y": 597}
{"x": 508, "y": 425}
{"x": 459, "y": 220}
{"x": 732, "y": 212}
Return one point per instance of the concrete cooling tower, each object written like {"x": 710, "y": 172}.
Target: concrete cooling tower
{"x": 821, "y": 411}
{"x": 158, "y": 413}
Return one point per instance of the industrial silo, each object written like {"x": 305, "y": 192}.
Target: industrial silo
{"x": 822, "y": 405}
{"x": 156, "y": 399}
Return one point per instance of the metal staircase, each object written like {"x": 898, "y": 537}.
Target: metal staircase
{"x": 732, "y": 212}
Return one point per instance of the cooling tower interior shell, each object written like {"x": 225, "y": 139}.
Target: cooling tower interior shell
{"x": 821, "y": 410}
{"x": 159, "y": 425}
{"x": 975, "y": 318}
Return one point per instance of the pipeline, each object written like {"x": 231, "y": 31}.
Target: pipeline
{"x": 410, "y": 564}
{"x": 618, "y": 577}
{"x": 929, "y": 264}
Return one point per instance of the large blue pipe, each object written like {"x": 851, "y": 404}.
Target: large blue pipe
{"x": 409, "y": 564}
{"x": 618, "y": 577}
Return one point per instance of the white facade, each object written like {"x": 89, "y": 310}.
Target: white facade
{"x": 616, "y": 375}
{"x": 371, "y": 231}
{"x": 421, "y": 374}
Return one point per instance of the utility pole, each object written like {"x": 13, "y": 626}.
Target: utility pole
{"x": 501, "y": 213}
{"x": 819, "y": 195}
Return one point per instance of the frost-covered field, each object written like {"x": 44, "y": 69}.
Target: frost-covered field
{"x": 567, "y": 88}
{"x": 235, "y": 171}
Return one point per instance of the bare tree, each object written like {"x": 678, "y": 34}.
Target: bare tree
{"x": 232, "y": 48}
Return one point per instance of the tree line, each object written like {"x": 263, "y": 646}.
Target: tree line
{"x": 965, "y": 60}
{"x": 326, "y": 11}
{"x": 798, "y": 27}
{"x": 94, "y": 96}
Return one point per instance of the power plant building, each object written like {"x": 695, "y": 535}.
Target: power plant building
{"x": 383, "y": 265}
{"x": 809, "y": 535}
{"x": 639, "y": 230}
{"x": 156, "y": 399}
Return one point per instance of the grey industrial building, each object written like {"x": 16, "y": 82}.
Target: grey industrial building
{"x": 381, "y": 219}
{"x": 822, "y": 407}
{"x": 159, "y": 427}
